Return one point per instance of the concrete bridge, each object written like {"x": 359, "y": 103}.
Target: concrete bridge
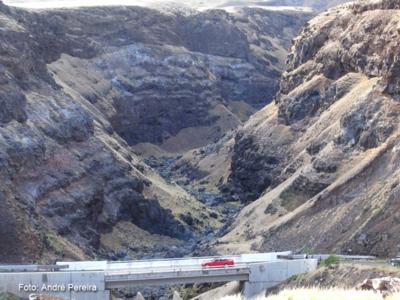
{"x": 95, "y": 280}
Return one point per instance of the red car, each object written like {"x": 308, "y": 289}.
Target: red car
{"x": 218, "y": 262}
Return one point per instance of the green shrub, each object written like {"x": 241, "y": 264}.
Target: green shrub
{"x": 331, "y": 260}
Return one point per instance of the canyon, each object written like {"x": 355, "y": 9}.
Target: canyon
{"x": 134, "y": 132}
{"x": 86, "y": 93}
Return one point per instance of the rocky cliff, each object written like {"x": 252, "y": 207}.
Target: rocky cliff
{"x": 70, "y": 186}
{"x": 322, "y": 163}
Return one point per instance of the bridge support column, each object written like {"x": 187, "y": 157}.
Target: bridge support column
{"x": 266, "y": 275}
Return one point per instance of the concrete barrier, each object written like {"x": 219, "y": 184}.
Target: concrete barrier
{"x": 267, "y": 275}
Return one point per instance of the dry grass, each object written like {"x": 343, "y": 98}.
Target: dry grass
{"x": 319, "y": 294}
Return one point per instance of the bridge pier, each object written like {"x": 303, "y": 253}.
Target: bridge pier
{"x": 266, "y": 275}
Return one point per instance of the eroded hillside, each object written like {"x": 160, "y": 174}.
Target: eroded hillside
{"x": 322, "y": 163}
{"x": 70, "y": 186}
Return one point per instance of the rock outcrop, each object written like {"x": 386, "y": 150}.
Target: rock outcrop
{"x": 385, "y": 286}
{"x": 322, "y": 163}
{"x": 172, "y": 76}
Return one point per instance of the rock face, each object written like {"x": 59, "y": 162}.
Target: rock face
{"x": 322, "y": 162}
{"x": 172, "y": 76}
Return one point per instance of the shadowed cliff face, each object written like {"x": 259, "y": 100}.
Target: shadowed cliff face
{"x": 324, "y": 159}
{"x": 172, "y": 76}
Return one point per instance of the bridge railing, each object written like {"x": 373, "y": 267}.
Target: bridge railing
{"x": 32, "y": 268}
{"x": 238, "y": 267}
